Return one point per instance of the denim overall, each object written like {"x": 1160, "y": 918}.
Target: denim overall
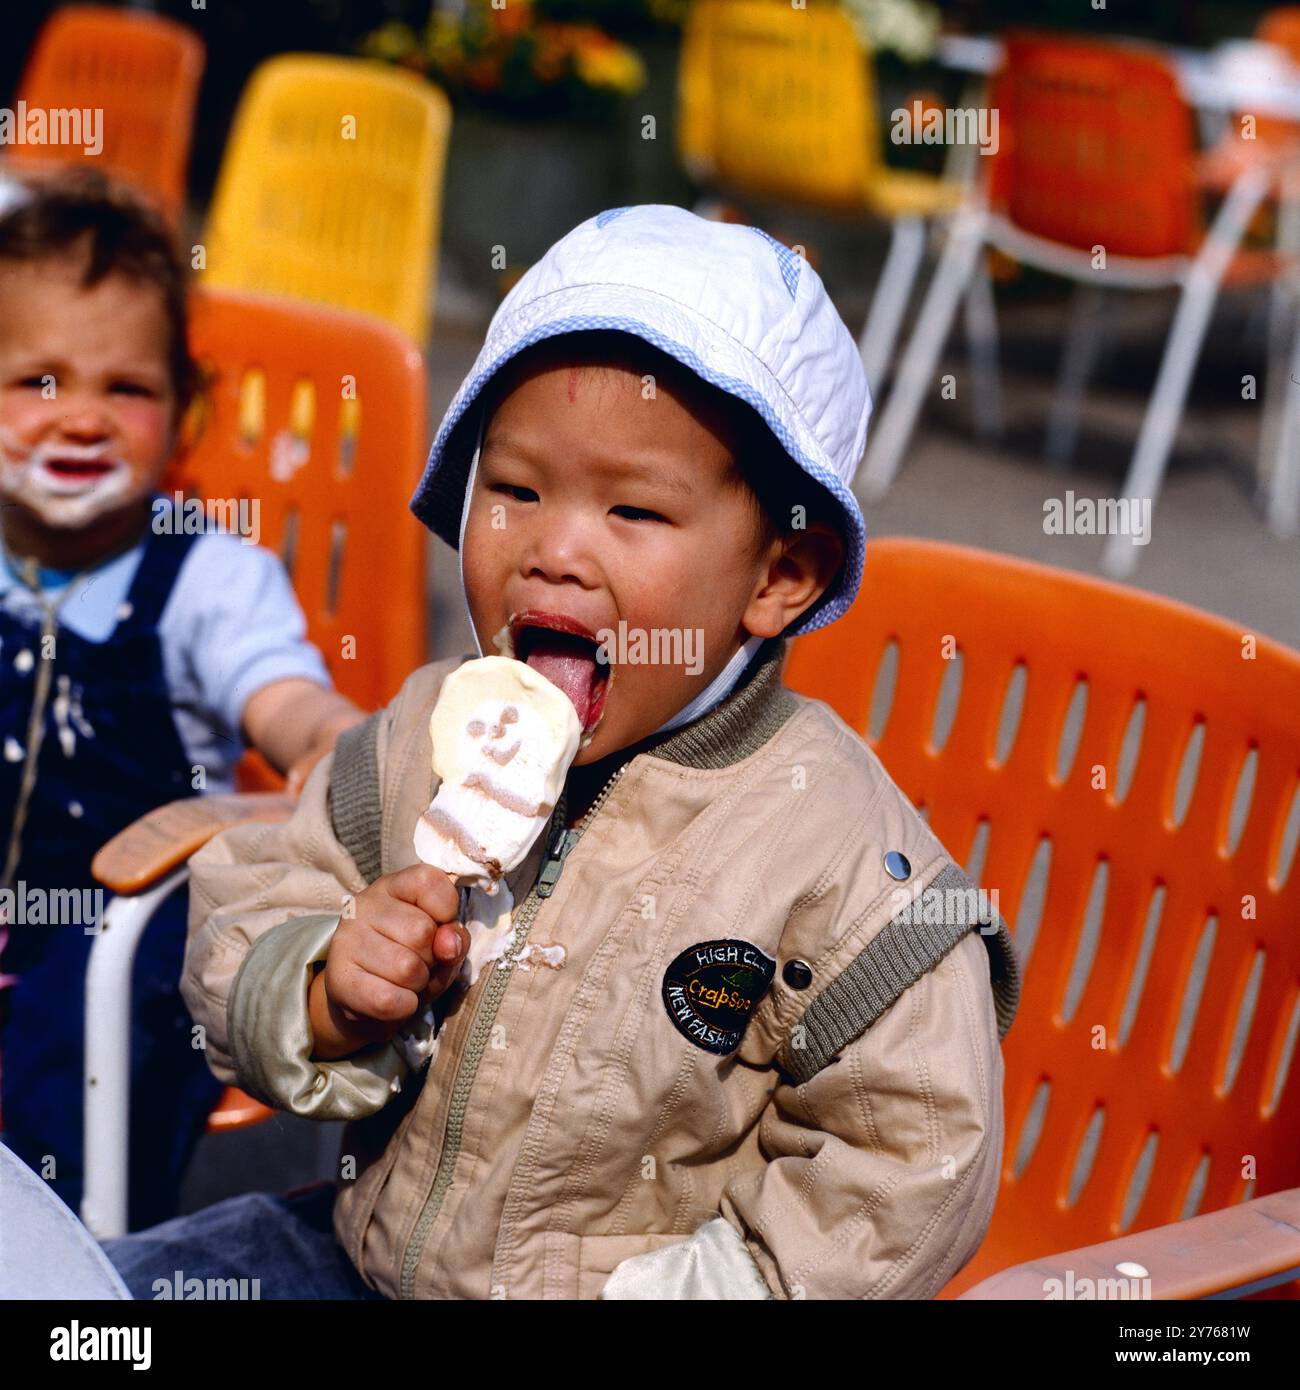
{"x": 111, "y": 752}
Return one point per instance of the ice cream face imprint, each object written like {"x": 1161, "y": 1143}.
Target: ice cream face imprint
{"x": 503, "y": 738}
{"x": 87, "y": 405}
{"x": 596, "y": 503}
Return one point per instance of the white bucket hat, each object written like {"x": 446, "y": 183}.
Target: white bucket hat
{"x": 739, "y": 309}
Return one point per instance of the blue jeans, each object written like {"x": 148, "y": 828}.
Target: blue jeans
{"x": 286, "y": 1243}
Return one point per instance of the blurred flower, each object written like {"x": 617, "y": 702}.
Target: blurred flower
{"x": 603, "y": 62}
{"x": 516, "y": 59}
{"x": 392, "y": 42}
{"x": 516, "y": 18}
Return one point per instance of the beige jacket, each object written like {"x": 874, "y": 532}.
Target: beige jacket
{"x": 591, "y": 1108}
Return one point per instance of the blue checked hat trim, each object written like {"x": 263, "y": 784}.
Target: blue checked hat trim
{"x": 786, "y": 258}
{"x": 605, "y": 218}
{"x": 833, "y": 604}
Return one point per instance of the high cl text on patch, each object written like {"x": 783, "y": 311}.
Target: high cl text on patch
{"x": 712, "y": 989}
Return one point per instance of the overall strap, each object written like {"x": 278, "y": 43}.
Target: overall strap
{"x": 155, "y": 577}
{"x": 354, "y": 801}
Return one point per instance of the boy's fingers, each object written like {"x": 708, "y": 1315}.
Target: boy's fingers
{"x": 392, "y": 963}
{"x": 427, "y": 888}
{"x": 450, "y": 942}
{"x": 370, "y": 997}
{"x": 406, "y": 925}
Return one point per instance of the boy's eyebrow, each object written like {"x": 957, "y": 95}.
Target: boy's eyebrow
{"x": 638, "y": 471}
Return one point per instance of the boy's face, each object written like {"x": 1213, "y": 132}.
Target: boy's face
{"x": 595, "y": 505}
{"x": 87, "y": 406}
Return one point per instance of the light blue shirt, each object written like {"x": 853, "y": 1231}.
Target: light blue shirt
{"x": 231, "y": 625}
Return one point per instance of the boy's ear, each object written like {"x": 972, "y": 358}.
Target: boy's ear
{"x": 802, "y": 565}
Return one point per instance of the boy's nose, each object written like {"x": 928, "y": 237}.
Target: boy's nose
{"x": 84, "y": 421}
{"x": 559, "y": 550}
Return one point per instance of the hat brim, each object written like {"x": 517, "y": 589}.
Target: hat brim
{"x": 694, "y": 341}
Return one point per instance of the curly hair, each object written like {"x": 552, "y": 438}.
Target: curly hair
{"x": 56, "y": 215}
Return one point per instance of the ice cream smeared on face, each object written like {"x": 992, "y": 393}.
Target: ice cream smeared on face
{"x": 66, "y": 485}
{"x": 503, "y": 739}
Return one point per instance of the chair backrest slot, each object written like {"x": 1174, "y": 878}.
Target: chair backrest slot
{"x": 1193, "y": 989}
{"x": 1130, "y": 749}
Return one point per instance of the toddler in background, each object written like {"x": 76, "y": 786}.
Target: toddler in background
{"x": 137, "y": 661}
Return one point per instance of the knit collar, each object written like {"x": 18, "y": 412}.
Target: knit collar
{"x": 734, "y": 728}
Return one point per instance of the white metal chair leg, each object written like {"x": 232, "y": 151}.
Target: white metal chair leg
{"x": 916, "y": 368}
{"x": 982, "y": 343}
{"x": 108, "y": 1057}
{"x": 1283, "y": 303}
{"x": 1079, "y": 357}
{"x": 1284, "y": 484}
{"x": 1185, "y": 337}
{"x": 889, "y": 303}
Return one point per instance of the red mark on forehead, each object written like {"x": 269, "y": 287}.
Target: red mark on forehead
{"x": 573, "y": 384}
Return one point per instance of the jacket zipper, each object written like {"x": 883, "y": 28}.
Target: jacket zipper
{"x": 560, "y": 843}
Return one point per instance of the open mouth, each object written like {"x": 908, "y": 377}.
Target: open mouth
{"x": 565, "y": 652}
{"x": 79, "y": 470}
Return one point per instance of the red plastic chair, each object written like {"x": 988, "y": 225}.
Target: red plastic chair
{"x": 1122, "y": 893}
{"x": 1094, "y": 179}
{"x": 143, "y": 71}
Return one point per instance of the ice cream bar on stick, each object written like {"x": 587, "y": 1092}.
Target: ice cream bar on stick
{"x": 503, "y": 739}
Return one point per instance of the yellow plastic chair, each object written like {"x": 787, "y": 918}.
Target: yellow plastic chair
{"x": 779, "y": 103}
{"x": 331, "y": 188}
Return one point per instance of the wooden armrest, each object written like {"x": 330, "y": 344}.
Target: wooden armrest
{"x": 1213, "y": 1253}
{"x": 154, "y": 845}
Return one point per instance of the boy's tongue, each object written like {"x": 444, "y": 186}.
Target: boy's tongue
{"x": 567, "y": 662}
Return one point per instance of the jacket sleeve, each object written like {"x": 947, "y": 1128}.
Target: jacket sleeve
{"x": 883, "y": 1168}
{"x": 265, "y": 901}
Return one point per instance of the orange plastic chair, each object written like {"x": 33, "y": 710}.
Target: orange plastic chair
{"x": 143, "y": 71}
{"x": 1067, "y": 168}
{"x": 1151, "y": 919}
{"x": 318, "y": 416}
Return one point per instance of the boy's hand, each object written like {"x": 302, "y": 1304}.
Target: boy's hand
{"x": 401, "y": 950}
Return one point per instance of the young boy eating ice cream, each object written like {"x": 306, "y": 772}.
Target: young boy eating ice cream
{"x": 674, "y": 1077}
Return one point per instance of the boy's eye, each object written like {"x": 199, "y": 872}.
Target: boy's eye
{"x": 38, "y": 383}
{"x": 514, "y": 491}
{"x": 132, "y": 388}
{"x": 638, "y": 512}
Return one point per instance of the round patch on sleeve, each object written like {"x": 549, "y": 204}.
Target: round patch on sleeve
{"x": 711, "y": 991}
